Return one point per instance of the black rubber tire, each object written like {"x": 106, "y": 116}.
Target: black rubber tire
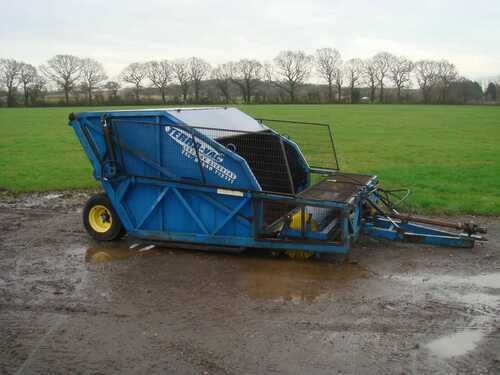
{"x": 115, "y": 232}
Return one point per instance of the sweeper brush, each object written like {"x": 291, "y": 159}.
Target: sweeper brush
{"x": 216, "y": 176}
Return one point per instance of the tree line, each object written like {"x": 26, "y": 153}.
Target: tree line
{"x": 291, "y": 77}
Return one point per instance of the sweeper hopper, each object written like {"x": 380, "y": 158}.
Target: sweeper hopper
{"x": 216, "y": 176}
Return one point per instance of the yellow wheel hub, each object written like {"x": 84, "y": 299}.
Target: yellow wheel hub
{"x": 299, "y": 254}
{"x": 100, "y": 219}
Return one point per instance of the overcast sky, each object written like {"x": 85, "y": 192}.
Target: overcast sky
{"x": 117, "y": 32}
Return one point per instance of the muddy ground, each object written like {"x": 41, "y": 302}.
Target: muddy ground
{"x": 69, "y": 305}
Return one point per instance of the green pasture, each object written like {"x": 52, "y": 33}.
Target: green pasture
{"x": 448, "y": 155}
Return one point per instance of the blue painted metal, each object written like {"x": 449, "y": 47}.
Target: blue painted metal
{"x": 172, "y": 182}
{"x": 384, "y": 228}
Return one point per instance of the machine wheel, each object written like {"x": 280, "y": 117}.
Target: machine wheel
{"x": 100, "y": 219}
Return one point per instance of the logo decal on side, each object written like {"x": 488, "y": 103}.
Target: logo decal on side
{"x": 211, "y": 159}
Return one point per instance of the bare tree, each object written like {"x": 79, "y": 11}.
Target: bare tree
{"x": 382, "y": 63}
{"x": 9, "y": 76}
{"x": 293, "y": 67}
{"x": 267, "y": 78}
{"x": 400, "y": 70}
{"x": 246, "y": 75}
{"x": 222, "y": 75}
{"x": 353, "y": 70}
{"x": 65, "y": 71}
{"x": 160, "y": 74}
{"x": 112, "y": 88}
{"x": 37, "y": 89}
{"x": 328, "y": 62}
{"x": 79, "y": 93}
{"x": 426, "y": 74}
{"x": 339, "y": 82}
{"x": 267, "y": 71}
{"x": 446, "y": 74}
{"x": 369, "y": 73}
{"x": 93, "y": 75}
{"x": 198, "y": 70}
{"x": 27, "y": 77}
{"x": 135, "y": 74}
{"x": 181, "y": 72}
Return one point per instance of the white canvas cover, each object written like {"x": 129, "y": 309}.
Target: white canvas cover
{"x": 227, "y": 118}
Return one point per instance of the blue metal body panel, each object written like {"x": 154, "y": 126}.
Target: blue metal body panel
{"x": 172, "y": 182}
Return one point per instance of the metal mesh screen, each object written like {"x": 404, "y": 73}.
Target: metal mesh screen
{"x": 314, "y": 140}
{"x": 270, "y": 158}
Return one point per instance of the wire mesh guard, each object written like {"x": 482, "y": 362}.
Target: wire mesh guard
{"x": 273, "y": 161}
{"x": 314, "y": 140}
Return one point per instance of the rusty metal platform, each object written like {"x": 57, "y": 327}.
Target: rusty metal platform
{"x": 340, "y": 187}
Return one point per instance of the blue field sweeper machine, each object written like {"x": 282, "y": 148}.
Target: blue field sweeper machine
{"x": 218, "y": 177}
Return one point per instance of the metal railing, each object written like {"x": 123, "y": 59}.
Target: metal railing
{"x": 314, "y": 139}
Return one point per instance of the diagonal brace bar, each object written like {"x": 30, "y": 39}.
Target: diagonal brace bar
{"x": 231, "y": 215}
{"x": 190, "y": 210}
{"x": 153, "y": 207}
{"x": 223, "y": 207}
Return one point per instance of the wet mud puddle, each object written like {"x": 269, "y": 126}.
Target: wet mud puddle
{"x": 258, "y": 277}
{"x": 295, "y": 281}
{"x": 109, "y": 252}
{"x": 456, "y": 344}
{"x": 480, "y": 293}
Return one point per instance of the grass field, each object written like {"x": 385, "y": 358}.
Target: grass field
{"x": 448, "y": 155}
